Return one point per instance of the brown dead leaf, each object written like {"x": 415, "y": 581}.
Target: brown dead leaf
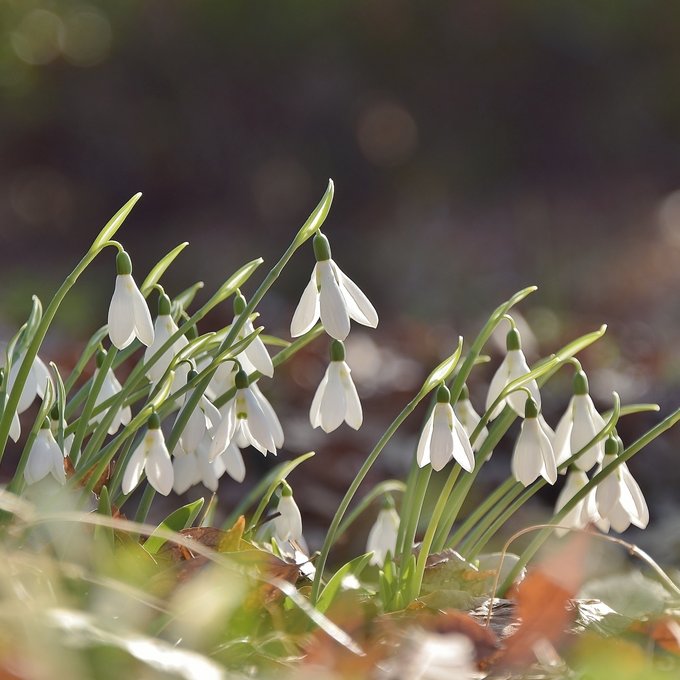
{"x": 542, "y": 602}
{"x": 664, "y": 632}
{"x": 210, "y": 537}
{"x": 102, "y": 481}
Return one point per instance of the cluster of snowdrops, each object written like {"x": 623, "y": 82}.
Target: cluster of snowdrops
{"x": 198, "y": 407}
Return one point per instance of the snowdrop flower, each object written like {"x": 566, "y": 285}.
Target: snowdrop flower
{"x": 513, "y": 366}
{"x": 618, "y": 497}
{"x": 336, "y": 399}
{"x": 583, "y": 513}
{"x": 469, "y": 419}
{"x": 128, "y": 314}
{"x": 36, "y": 381}
{"x": 288, "y": 525}
{"x": 15, "y": 425}
{"x": 533, "y": 455}
{"x": 185, "y": 470}
{"x": 201, "y": 421}
{"x": 151, "y": 456}
{"x": 110, "y": 388}
{"x": 579, "y": 425}
{"x": 382, "y": 538}
{"x": 165, "y": 327}
{"x": 332, "y": 296}
{"x": 248, "y": 419}
{"x": 255, "y": 356}
{"x": 443, "y": 437}
{"x": 45, "y": 457}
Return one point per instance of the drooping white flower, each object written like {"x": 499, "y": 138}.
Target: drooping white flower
{"x": 185, "y": 470}
{"x": 444, "y": 438}
{"x": 255, "y": 356}
{"x": 582, "y": 513}
{"x": 513, "y": 366}
{"x": 579, "y": 425}
{"x": 36, "y": 381}
{"x": 110, "y": 388}
{"x": 202, "y": 419}
{"x": 618, "y": 497}
{"x": 469, "y": 419}
{"x": 164, "y": 328}
{"x": 382, "y": 538}
{"x": 333, "y": 296}
{"x": 249, "y": 419}
{"x": 128, "y": 312}
{"x": 288, "y": 525}
{"x": 45, "y": 457}
{"x": 336, "y": 399}
{"x": 223, "y": 377}
{"x": 231, "y": 462}
{"x": 533, "y": 454}
{"x": 152, "y": 457}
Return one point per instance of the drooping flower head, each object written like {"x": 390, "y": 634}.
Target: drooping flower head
{"x": 469, "y": 419}
{"x": 249, "y": 419}
{"x": 533, "y": 455}
{"x": 255, "y": 356}
{"x": 152, "y": 457}
{"x": 578, "y": 426}
{"x": 45, "y": 457}
{"x": 333, "y": 296}
{"x": 110, "y": 388}
{"x": 618, "y": 497}
{"x": 129, "y": 316}
{"x": 288, "y": 525}
{"x": 382, "y": 538}
{"x": 584, "y": 512}
{"x": 336, "y": 399}
{"x": 513, "y": 366}
{"x": 443, "y": 437}
{"x": 36, "y": 381}
{"x": 164, "y": 328}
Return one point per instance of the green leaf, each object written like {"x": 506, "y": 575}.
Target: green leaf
{"x": 236, "y": 280}
{"x": 33, "y": 319}
{"x": 186, "y": 297}
{"x": 176, "y": 521}
{"x": 104, "y": 508}
{"x": 444, "y": 370}
{"x": 159, "y": 269}
{"x": 61, "y": 403}
{"x": 317, "y": 218}
{"x": 114, "y": 224}
{"x": 352, "y": 568}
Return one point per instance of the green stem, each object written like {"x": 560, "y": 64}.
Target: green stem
{"x": 388, "y": 486}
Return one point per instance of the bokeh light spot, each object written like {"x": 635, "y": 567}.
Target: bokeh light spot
{"x": 37, "y": 39}
{"x": 387, "y": 133}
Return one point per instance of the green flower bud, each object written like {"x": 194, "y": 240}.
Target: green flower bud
{"x": 239, "y": 304}
{"x": 580, "y": 383}
{"x": 513, "y": 340}
{"x": 530, "y": 408}
{"x": 123, "y": 264}
{"x": 154, "y": 422}
{"x": 241, "y": 380}
{"x": 285, "y": 489}
{"x": 337, "y": 351}
{"x": 443, "y": 394}
{"x": 611, "y": 446}
{"x": 164, "y": 306}
{"x": 322, "y": 248}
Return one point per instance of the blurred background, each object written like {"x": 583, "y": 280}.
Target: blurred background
{"x": 477, "y": 147}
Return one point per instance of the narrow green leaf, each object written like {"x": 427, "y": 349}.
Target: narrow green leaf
{"x": 159, "y": 269}
{"x": 236, "y": 280}
{"x": 444, "y": 369}
{"x": 317, "y": 218}
{"x": 176, "y": 521}
{"x": 104, "y": 533}
{"x": 186, "y": 297}
{"x": 114, "y": 224}
{"x": 354, "y": 568}
{"x": 33, "y": 319}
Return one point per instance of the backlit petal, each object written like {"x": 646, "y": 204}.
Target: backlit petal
{"x": 307, "y": 312}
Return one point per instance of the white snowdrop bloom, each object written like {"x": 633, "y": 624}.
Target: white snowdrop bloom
{"x": 110, "y": 388}
{"x": 185, "y": 470}
{"x": 382, "y": 538}
{"x": 152, "y": 457}
{"x": 128, "y": 313}
{"x": 469, "y": 419}
{"x": 336, "y": 399}
{"x": 533, "y": 455}
{"x": 333, "y": 296}
{"x": 164, "y": 328}
{"x": 582, "y": 513}
{"x": 45, "y": 457}
{"x": 249, "y": 419}
{"x": 36, "y": 381}
{"x": 513, "y": 366}
{"x": 288, "y": 525}
{"x": 255, "y": 356}
{"x": 579, "y": 425}
{"x": 231, "y": 462}
{"x": 202, "y": 419}
{"x": 618, "y": 497}
{"x": 444, "y": 438}
{"x": 15, "y": 425}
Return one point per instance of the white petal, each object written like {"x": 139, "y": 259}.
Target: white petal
{"x": 288, "y": 526}
{"x": 584, "y": 431}
{"x": 42, "y": 376}
{"x": 462, "y": 450}
{"x": 527, "y": 459}
{"x": 194, "y": 430}
{"x": 353, "y": 414}
{"x": 358, "y": 305}
{"x": 639, "y": 513}
{"x": 258, "y": 424}
{"x": 382, "y": 537}
{"x": 121, "y": 314}
{"x": 30, "y": 388}
{"x": 423, "y": 452}
{"x": 607, "y": 492}
{"x": 40, "y": 458}
{"x": 212, "y": 413}
{"x": 273, "y": 423}
{"x": 256, "y": 352}
{"x": 135, "y": 466}
{"x": 57, "y": 462}
{"x": 208, "y": 472}
{"x": 562, "y": 441}
{"x": 315, "y": 410}
{"x": 619, "y": 518}
{"x": 184, "y": 469}
{"x": 158, "y": 467}
{"x": 163, "y": 329}
{"x": 224, "y": 432}
{"x": 307, "y": 312}
{"x": 15, "y": 427}
{"x": 441, "y": 445}
{"x": 333, "y": 403}
{"x": 334, "y": 315}
{"x": 548, "y": 469}
{"x": 142, "y": 317}
{"x": 518, "y": 367}
{"x": 232, "y": 459}
{"x": 498, "y": 382}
